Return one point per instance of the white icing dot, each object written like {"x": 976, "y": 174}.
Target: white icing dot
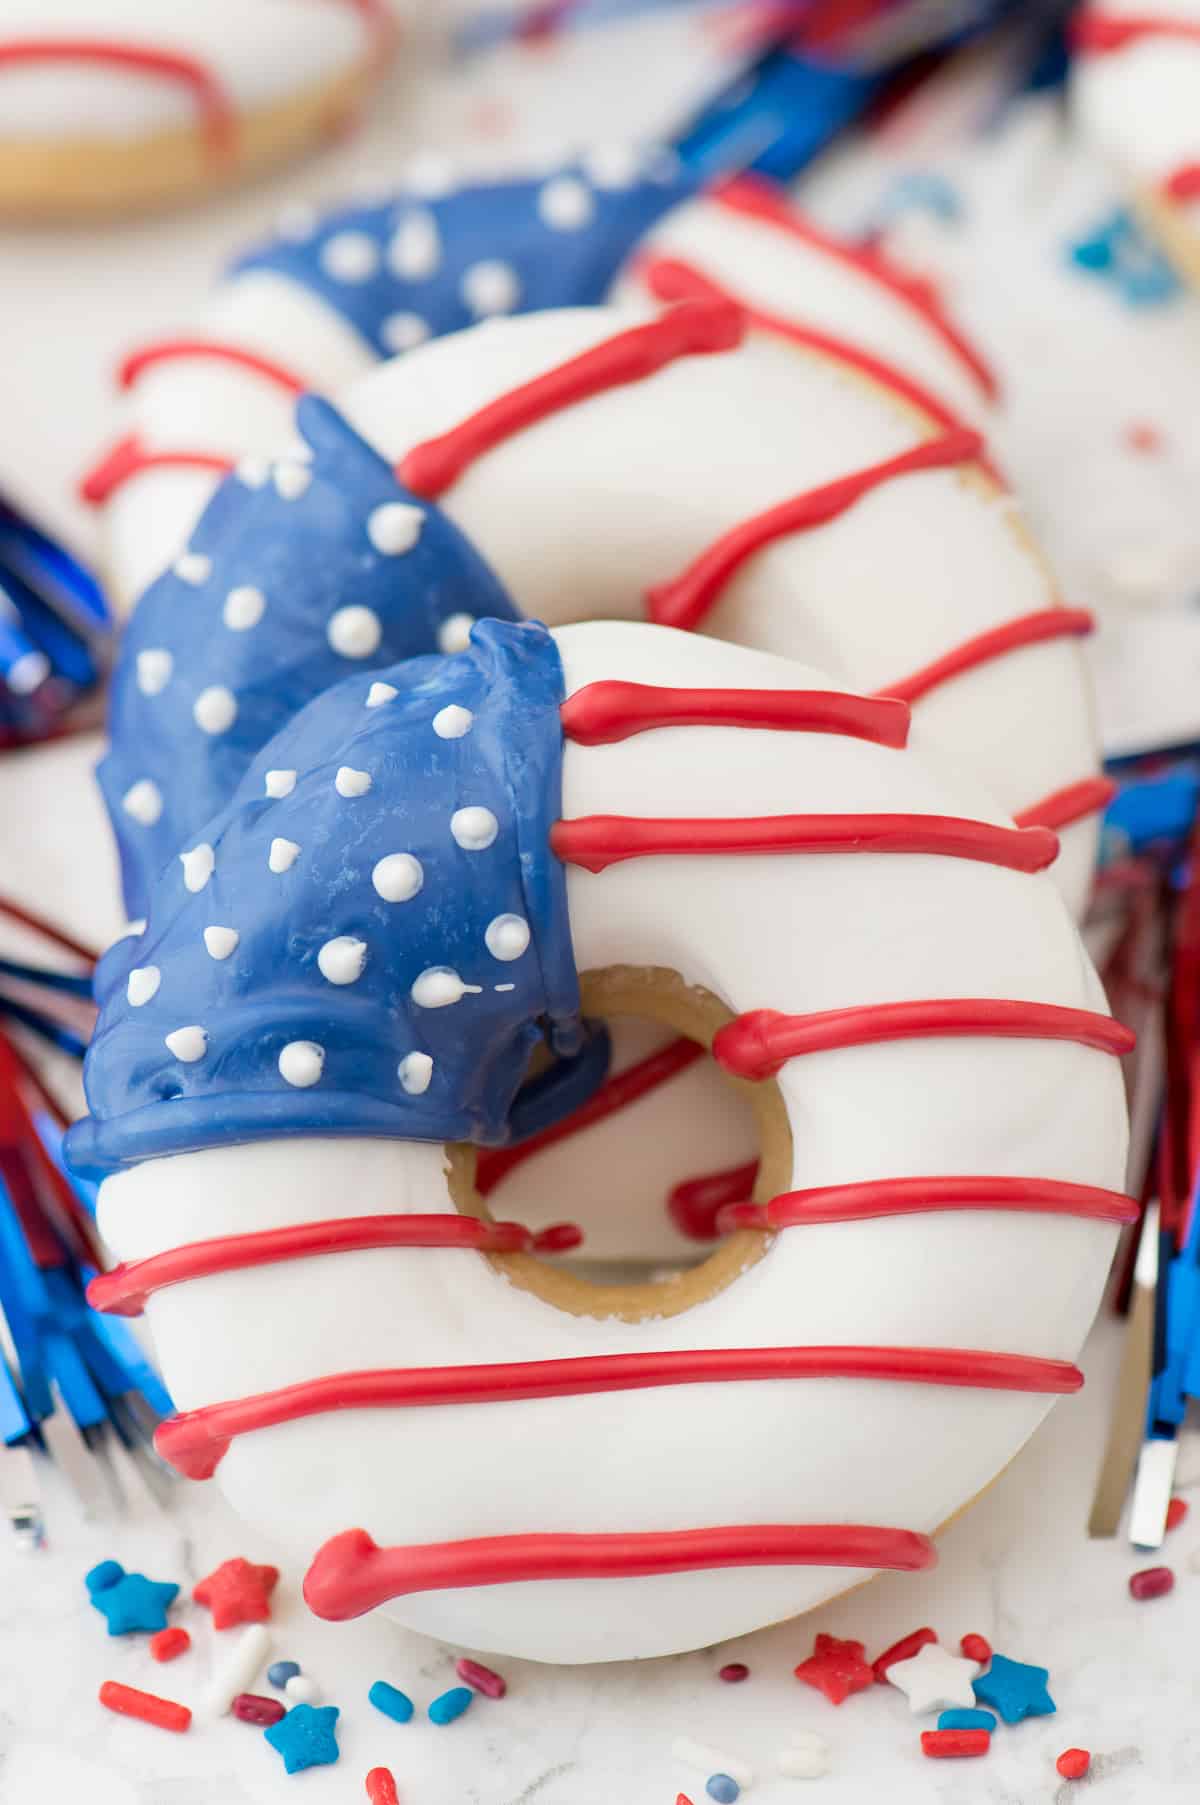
{"x": 414, "y": 1072}
{"x": 395, "y": 527}
{"x": 474, "y": 829}
{"x": 430, "y": 174}
{"x": 566, "y": 204}
{"x": 490, "y": 287}
{"x": 350, "y": 782}
{"x": 143, "y": 800}
{"x": 506, "y": 936}
{"x": 341, "y": 960}
{"x": 220, "y": 942}
{"x": 280, "y": 783}
{"x": 283, "y": 855}
{"x": 451, "y": 722}
{"x": 253, "y": 472}
{"x": 133, "y": 930}
{"x": 301, "y": 1063}
{"x": 27, "y": 673}
{"x": 612, "y": 165}
{"x": 439, "y": 986}
{"x": 354, "y": 632}
{"x": 379, "y": 693}
{"x": 154, "y": 667}
{"x": 198, "y": 866}
{"x": 350, "y": 257}
{"x": 292, "y": 479}
{"x": 215, "y": 709}
{"x": 243, "y": 607}
{"x": 415, "y": 251}
{"x": 141, "y": 984}
{"x": 297, "y": 222}
{"x": 187, "y": 1044}
{"x": 454, "y": 634}
{"x": 398, "y": 877}
{"x": 403, "y": 331}
{"x": 193, "y": 567}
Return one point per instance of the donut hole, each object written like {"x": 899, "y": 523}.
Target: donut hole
{"x": 645, "y": 1282}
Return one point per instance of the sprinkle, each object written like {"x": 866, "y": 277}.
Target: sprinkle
{"x": 452, "y": 722}
{"x": 198, "y": 866}
{"x": 129, "y": 1601}
{"x": 483, "y": 1679}
{"x": 169, "y": 1644}
{"x": 143, "y": 800}
{"x": 305, "y": 1737}
{"x": 283, "y": 855}
{"x": 454, "y": 634}
{"x": 350, "y": 257}
{"x": 474, "y": 829}
{"x": 1140, "y": 435}
{"x": 723, "y": 1788}
{"x": 414, "y": 1072}
{"x": 836, "y": 1668}
{"x": 381, "y": 1787}
{"x": 215, "y": 709}
{"x": 391, "y": 1701}
{"x": 244, "y": 607}
{"x": 1073, "y": 1764}
{"x": 154, "y": 667}
{"x": 966, "y": 1718}
{"x": 490, "y": 287}
{"x": 438, "y": 986}
{"x": 280, "y": 1672}
{"x": 976, "y": 1648}
{"x": 1177, "y": 1510}
{"x": 280, "y": 784}
{"x": 904, "y": 1650}
{"x": 941, "y": 1745}
{"x": 187, "y": 1044}
{"x": 379, "y": 693}
{"x": 403, "y": 331}
{"x": 450, "y": 1705}
{"x": 238, "y": 1670}
{"x": 251, "y": 1708}
{"x": 300, "y": 1690}
{"x": 1015, "y": 1689}
{"x": 341, "y": 960}
{"x": 236, "y": 1592}
{"x": 142, "y": 984}
{"x": 104, "y": 1576}
{"x": 398, "y": 877}
{"x": 416, "y": 249}
{"x": 806, "y": 1759}
{"x": 566, "y": 204}
{"x": 934, "y": 1679}
{"x": 1151, "y": 1582}
{"x": 291, "y": 479}
{"x": 301, "y": 1063}
{"x": 127, "y": 1701}
{"x": 506, "y": 936}
{"x": 711, "y": 1761}
{"x": 395, "y": 527}
{"x": 350, "y": 782}
{"x": 193, "y": 568}
{"x": 733, "y": 1673}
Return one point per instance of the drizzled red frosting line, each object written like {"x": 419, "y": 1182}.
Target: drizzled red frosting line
{"x": 129, "y": 457}
{"x": 352, "y": 1575}
{"x": 217, "y": 113}
{"x": 167, "y": 350}
{"x": 758, "y": 1044}
{"x": 600, "y": 714}
{"x": 685, "y": 600}
{"x": 697, "y": 328}
{"x": 996, "y": 642}
{"x": 1072, "y": 803}
{"x": 1098, "y": 34}
{"x": 196, "y": 1441}
{"x": 597, "y": 841}
{"x": 879, "y": 1197}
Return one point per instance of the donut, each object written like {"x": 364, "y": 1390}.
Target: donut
{"x": 350, "y": 973}
{"x": 1136, "y": 92}
{"x": 106, "y": 108}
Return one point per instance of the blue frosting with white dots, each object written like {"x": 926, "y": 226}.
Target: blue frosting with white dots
{"x": 372, "y": 936}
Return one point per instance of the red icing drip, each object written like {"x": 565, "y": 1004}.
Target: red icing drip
{"x": 597, "y": 841}
{"x": 758, "y": 1044}
{"x": 166, "y": 350}
{"x": 749, "y": 194}
{"x": 196, "y": 1441}
{"x": 996, "y": 642}
{"x": 1096, "y": 35}
{"x": 124, "y": 1290}
{"x": 694, "y": 1203}
{"x": 351, "y": 1575}
{"x": 1072, "y": 803}
{"x": 218, "y": 116}
{"x": 129, "y": 457}
{"x": 686, "y": 599}
{"x": 601, "y": 713}
{"x": 878, "y": 1197}
{"x": 614, "y": 1094}
{"x": 694, "y": 329}
{"x": 1184, "y": 183}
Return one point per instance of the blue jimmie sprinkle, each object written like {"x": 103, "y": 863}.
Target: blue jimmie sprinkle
{"x": 393, "y": 1703}
{"x": 723, "y": 1788}
{"x": 450, "y": 1705}
{"x": 963, "y": 1718}
{"x": 280, "y": 1672}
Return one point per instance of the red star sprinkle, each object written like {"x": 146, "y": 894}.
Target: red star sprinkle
{"x": 836, "y": 1668}
{"x": 237, "y": 1592}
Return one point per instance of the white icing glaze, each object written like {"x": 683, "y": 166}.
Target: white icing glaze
{"x": 797, "y": 934}
{"x": 1141, "y": 104}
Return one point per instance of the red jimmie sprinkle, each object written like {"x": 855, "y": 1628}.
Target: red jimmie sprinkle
{"x": 1151, "y": 1582}
{"x": 1073, "y": 1764}
{"x": 252, "y": 1708}
{"x": 127, "y": 1701}
{"x": 681, "y": 1798}
{"x": 480, "y": 1678}
{"x": 1177, "y": 1510}
{"x": 904, "y": 1650}
{"x": 944, "y": 1745}
{"x": 733, "y": 1673}
{"x": 976, "y": 1648}
{"x": 381, "y": 1788}
{"x": 166, "y": 1645}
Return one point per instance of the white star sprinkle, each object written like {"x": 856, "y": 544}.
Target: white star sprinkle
{"x": 243, "y": 607}
{"x": 934, "y": 1679}
{"x": 143, "y": 801}
{"x": 301, "y": 1063}
{"x": 198, "y": 866}
{"x": 279, "y": 784}
{"x": 154, "y": 667}
{"x": 474, "y": 829}
{"x": 414, "y": 1072}
{"x": 187, "y": 1044}
{"x": 220, "y": 942}
{"x": 341, "y": 961}
{"x": 452, "y": 722}
{"x": 215, "y": 709}
{"x": 283, "y": 855}
{"x": 354, "y": 632}
{"x": 398, "y": 877}
{"x": 350, "y": 782}
{"x": 394, "y": 527}
{"x": 142, "y": 984}
{"x": 379, "y": 693}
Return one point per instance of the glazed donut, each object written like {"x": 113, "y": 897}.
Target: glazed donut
{"x": 1136, "y": 92}
{"x": 352, "y": 970}
{"x": 111, "y": 105}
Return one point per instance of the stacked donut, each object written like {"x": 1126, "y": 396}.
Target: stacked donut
{"x": 400, "y": 849}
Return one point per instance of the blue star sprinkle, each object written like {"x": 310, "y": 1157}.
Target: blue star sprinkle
{"x": 129, "y": 1601}
{"x": 305, "y": 1737}
{"x": 1015, "y": 1689}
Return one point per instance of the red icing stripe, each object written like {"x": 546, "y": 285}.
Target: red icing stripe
{"x": 166, "y": 350}
{"x": 1184, "y": 184}
{"x": 218, "y": 115}
{"x": 129, "y": 457}
{"x": 597, "y": 841}
{"x": 1072, "y": 803}
{"x": 351, "y": 1575}
{"x": 694, "y": 1204}
{"x": 1098, "y": 35}
{"x": 756, "y": 1045}
{"x": 601, "y": 713}
{"x": 686, "y": 599}
{"x": 996, "y": 642}
{"x": 196, "y": 1441}
{"x": 879, "y": 1197}
{"x": 124, "y": 1289}
{"x": 761, "y": 200}
{"x": 695, "y": 329}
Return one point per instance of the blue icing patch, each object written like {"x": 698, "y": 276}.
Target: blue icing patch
{"x": 386, "y": 942}
{"x": 412, "y": 267}
{"x": 1118, "y": 251}
{"x": 287, "y": 595}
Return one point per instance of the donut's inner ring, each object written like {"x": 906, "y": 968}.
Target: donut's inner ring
{"x": 654, "y": 994}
